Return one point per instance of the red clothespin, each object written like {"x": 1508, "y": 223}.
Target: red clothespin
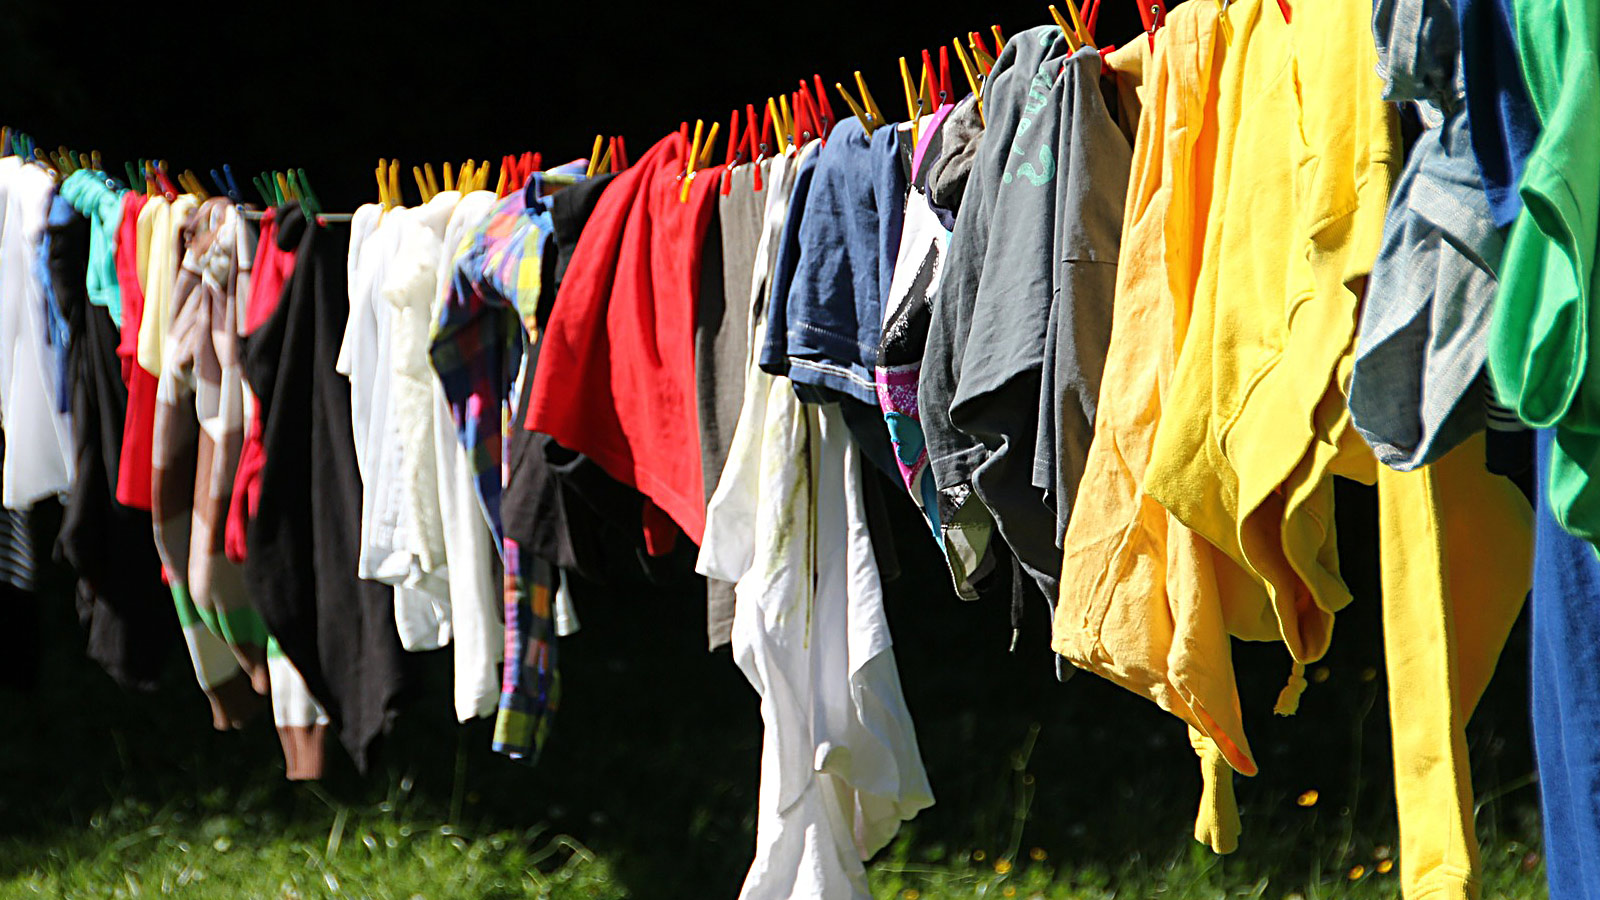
{"x": 735, "y": 149}
{"x": 534, "y": 162}
{"x": 813, "y": 115}
{"x": 1283, "y": 6}
{"x": 1091, "y": 16}
{"x": 976, "y": 37}
{"x": 768, "y": 136}
{"x": 752, "y": 137}
{"x": 947, "y": 88}
{"x": 1153, "y": 13}
{"x": 1105, "y": 51}
{"x": 821, "y": 97}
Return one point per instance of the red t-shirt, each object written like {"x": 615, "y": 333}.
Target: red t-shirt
{"x": 134, "y": 464}
{"x": 615, "y": 379}
{"x": 272, "y": 267}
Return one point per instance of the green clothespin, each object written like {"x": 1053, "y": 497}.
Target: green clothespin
{"x": 308, "y": 197}
{"x": 135, "y": 183}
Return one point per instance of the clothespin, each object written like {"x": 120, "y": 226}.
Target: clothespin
{"x": 167, "y": 187}
{"x": 690, "y": 159}
{"x": 999, "y": 39}
{"x": 970, "y": 72}
{"x": 767, "y": 141}
{"x": 706, "y": 149}
{"x": 789, "y": 133}
{"x": 1153, "y": 16}
{"x": 5, "y": 140}
{"x": 911, "y": 103}
{"x": 307, "y": 195}
{"x": 980, "y": 53}
{"x": 422, "y": 183}
{"x": 395, "y": 197}
{"x": 134, "y": 180}
{"x": 594, "y": 154}
{"x": 862, "y": 115}
{"x": 823, "y": 106}
{"x": 947, "y": 87}
{"x": 927, "y": 88}
{"x": 449, "y": 178}
{"x": 1081, "y": 30}
{"x": 1066, "y": 30}
{"x": 1222, "y": 18}
{"x": 284, "y": 191}
{"x": 382, "y": 174}
{"x": 433, "y": 184}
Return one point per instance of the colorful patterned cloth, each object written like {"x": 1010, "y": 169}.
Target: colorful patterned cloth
{"x": 489, "y": 316}
{"x": 530, "y": 686}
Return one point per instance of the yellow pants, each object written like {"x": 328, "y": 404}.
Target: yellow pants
{"x": 1456, "y": 550}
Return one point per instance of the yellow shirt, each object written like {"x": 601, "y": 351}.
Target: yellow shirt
{"x": 1142, "y": 597}
{"x": 1255, "y": 424}
{"x": 161, "y": 277}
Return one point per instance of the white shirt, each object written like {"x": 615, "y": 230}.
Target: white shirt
{"x": 39, "y": 460}
{"x": 840, "y": 767}
{"x": 472, "y": 564}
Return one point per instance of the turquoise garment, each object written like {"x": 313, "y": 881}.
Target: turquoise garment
{"x": 97, "y": 198}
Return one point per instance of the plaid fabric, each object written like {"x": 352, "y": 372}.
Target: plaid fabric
{"x": 488, "y": 317}
{"x": 530, "y": 687}
{"x": 199, "y": 427}
{"x": 476, "y": 347}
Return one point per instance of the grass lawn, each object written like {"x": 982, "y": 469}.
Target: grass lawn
{"x": 647, "y": 787}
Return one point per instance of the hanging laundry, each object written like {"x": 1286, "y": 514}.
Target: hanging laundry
{"x": 787, "y": 524}
{"x": 198, "y": 429}
{"x": 335, "y": 627}
{"x": 30, "y": 390}
{"x": 127, "y": 615}
{"x": 472, "y": 562}
{"x": 626, "y": 331}
{"x": 1417, "y": 386}
{"x": 1035, "y": 244}
{"x": 722, "y": 338}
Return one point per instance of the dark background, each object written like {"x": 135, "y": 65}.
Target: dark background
{"x": 331, "y": 87}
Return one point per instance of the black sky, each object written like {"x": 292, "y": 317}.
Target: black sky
{"x": 333, "y": 86}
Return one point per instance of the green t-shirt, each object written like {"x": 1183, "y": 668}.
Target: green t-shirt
{"x": 1542, "y": 355}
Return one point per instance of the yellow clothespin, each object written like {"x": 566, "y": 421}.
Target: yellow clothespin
{"x": 689, "y": 161}
{"x": 382, "y": 174}
{"x": 606, "y": 161}
{"x": 433, "y": 182}
{"x": 711, "y": 141}
{"x": 449, "y": 177}
{"x": 1066, "y": 30}
{"x": 972, "y": 76}
{"x": 594, "y": 155}
{"x": 788, "y": 122}
{"x": 870, "y": 104}
{"x": 999, "y": 38}
{"x": 980, "y": 55}
{"x": 1082, "y": 30}
{"x": 283, "y": 186}
{"x": 422, "y": 184}
{"x": 867, "y": 123}
{"x": 778, "y": 139}
{"x": 1222, "y": 17}
{"x": 395, "y": 197}
{"x": 94, "y": 160}
{"x": 911, "y": 99}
